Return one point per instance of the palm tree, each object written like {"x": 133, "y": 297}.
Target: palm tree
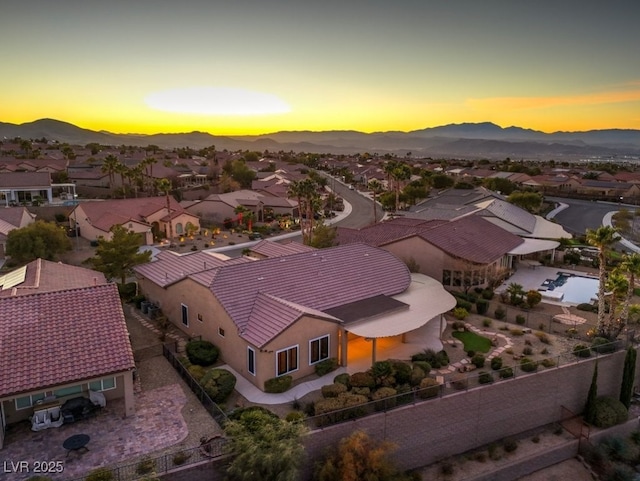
{"x": 164, "y": 186}
{"x": 110, "y": 166}
{"x": 603, "y": 238}
{"x": 400, "y": 172}
{"x": 376, "y": 188}
{"x": 616, "y": 289}
{"x": 306, "y": 193}
{"x": 148, "y": 164}
{"x": 631, "y": 266}
{"x": 515, "y": 292}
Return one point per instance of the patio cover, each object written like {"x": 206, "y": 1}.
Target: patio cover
{"x": 529, "y": 246}
{"x": 426, "y": 299}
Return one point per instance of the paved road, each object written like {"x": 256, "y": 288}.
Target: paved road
{"x": 583, "y": 214}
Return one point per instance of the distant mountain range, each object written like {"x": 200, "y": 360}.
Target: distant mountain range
{"x": 467, "y": 140}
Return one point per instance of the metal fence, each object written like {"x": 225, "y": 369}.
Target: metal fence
{"x": 212, "y": 448}
{"x": 461, "y": 381}
{"x": 169, "y": 352}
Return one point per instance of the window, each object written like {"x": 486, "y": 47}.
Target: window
{"x": 251, "y": 361}
{"x": 287, "y": 360}
{"x": 318, "y": 349}
{"x": 68, "y": 391}
{"x": 103, "y": 384}
{"x": 179, "y": 229}
{"x": 28, "y": 401}
{"x": 185, "y": 315}
{"x": 446, "y": 277}
{"x": 221, "y": 332}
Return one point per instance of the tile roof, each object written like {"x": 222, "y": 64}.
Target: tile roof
{"x": 318, "y": 280}
{"x": 269, "y": 248}
{"x": 53, "y": 338}
{"x": 25, "y": 179}
{"x": 44, "y": 276}
{"x": 17, "y": 216}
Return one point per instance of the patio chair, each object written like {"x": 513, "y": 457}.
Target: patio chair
{"x": 40, "y": 421}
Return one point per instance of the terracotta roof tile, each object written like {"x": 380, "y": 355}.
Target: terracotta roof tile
{"x": 51, "y": 338}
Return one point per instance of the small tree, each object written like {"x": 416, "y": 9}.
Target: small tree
{"x": 590, "y": 406}
{"x": 264, "y": 447}
{"x": 116, "y": 257}
{"x": 533, "y": 298}
{"x": 41, "y": 239}
{"x": 323, "y": 236}
{"x": 628, "y": 377}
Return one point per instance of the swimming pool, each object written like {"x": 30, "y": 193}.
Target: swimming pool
{"x": 574, "y": 289}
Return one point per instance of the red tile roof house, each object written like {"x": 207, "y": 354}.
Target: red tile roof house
{"x": 61, "y": 344}
{"x": 20, "y": 187}
{"x": 145, "y": 216}
{"x": 282, "y": 315}
{"x": 469, "y": 251}
{"x": 12, "y": 218}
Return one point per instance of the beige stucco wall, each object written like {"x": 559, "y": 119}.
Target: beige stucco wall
{"x": 201, "y": 303}
{"x": 89, "y": 232}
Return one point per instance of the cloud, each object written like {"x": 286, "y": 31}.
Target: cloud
{"x": 216, "y": 101}
{"x": 522, "y": 103}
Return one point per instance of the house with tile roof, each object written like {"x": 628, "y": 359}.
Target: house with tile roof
{"x": 13, "y": 218}
{"x": 468, "y": 251}
{"x": 284, "y": 313}
{"x": 19, "y": 187}
{"x": 57, "y": 345}
{"x": 146, "y": 216}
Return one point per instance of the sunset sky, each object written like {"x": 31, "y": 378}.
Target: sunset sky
{"x": 251, "y": 67}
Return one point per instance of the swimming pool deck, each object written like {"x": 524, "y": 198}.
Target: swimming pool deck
{"x": 532, "y": 278}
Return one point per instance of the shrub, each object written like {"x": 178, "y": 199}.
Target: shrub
{"x": 294, "y": 417}
{"x": 482, "y": 306}
{"x": 326, "y": 366}
{"x": 506, "y": 372}
{"x": 586, "y": 307}
{"x": 527, "y": 351}
{"x": 342, "y": 402}
{"x": 602, "y": 345}
{"x": 384, "y": 398}
{"x": 460, "y": 313}
{"x": 197, "y": 372}
{"x": 486, "y": 322}
{"x": 417, "y": 374}
{"x": 499, "y": 313}
{"x": 362, "y": 379}
{"x": 485, "y": 377}
{"x": 333, "y": 390}
{"x": 237, "y": 414}
{"x": 382, "y": 373}
{"x": 520, "y": 319}
{"x": 471, "y": 353}
{"x": 528, "y": 365}
{"x": 543, "y": 338}
{"x": 462, "y": 304}
{"x": 509, "y": 445}
{"x": 202, "y": 353}
{"x": 581, "y": 350}
{"x": 429, "y": 388}
{"x": 458, "y": 325}
{"x": 516, "y": 332}
{"x": 459, "y": 381}
{"x": 496, "y": 363}
{"x": 278, "y": 384}
{"x": 494, "y": 452}
{"x": 609, "y": 412}
{"x": 487, "y": 294}
{"x": 218, "y": 384}
{"x": 343, "y": 378}
{"x": 100, "y": 474}
{"x": 402, "y": 372}
{"x": 180, "y": 458}
{"x": 478, "y": 360}
{"x": 548, "y": 362}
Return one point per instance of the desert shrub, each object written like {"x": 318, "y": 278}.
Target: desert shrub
{"x": 458, "y": 325}
{"x": 459, "y": 381}
{"x": 486, "y": 322}
{"x": 509, "y": 445}
{"x": 586, "y": 307}
{"x": 343, "y": 378}
{"x": 435, "y": 359}
{"x": 348, "y": 404}
{"x": 382, "y": 372}
{"x": 602, "y": 345}
{"x": 471, "y": 353}
{"x": 520, "y": 319}
{"x": 218, "y": 384}
{"x": 499, "y": 313}
{"x": 424, "y": 365}
{"x": 620, "y": 472}
{"x": 384, "y": 398}
{"x": 543, "y": 338}
{"x": 548, "y": 362}
{"x": 417, "y": 375}
{"x": 482, "y": 306}
{"x": 527, "y": 351}
{"x": 197, "y": 372}
{"x": 494, "y": 451}
{"x": 460, "y": 313}
{"x": 478, "y": 360}
{"x": 545, "y": 351}
{"x": 278, "y": 384}
{"x": 506, "y": 372}
{"x": 363, "y": 391}
{"x": 429, "y": 388}
{"x": 496, "y": 363}
{"x": 516, "y": 332}
{"x": 581, "y": 350}
{"x": 237, "y": 414}
{"x": 462, "y": 304}
{"x": 202, "y": 353}
{"x": 180, "y": 458}
{"x": 333, "y": 390}
{"x": 487, "y": 294}
{"x": 401, "y": 372}
{"x": 620, "y": 449}
{"x": 485, "y": 377}
{"x": 100, "y": 474}
{"x": 528, "y": 365}
{"x": 146, "y": 465}
{"x": 480, "y": 456}
{"x": 609, "y": 412}
{"x": 362, "y": 379}
{"x": 326, "y": 366}
{"x": 294, "y": 417}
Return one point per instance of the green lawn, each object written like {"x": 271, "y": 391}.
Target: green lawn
{"x": 473, "y": 342}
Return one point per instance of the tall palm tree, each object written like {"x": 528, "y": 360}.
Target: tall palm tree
{"x": 616, "y": 289}
{"x": 376, "y": 188}
{"x": 631, "y": 266}
{"x": 295, "y": 190}
{"x": 110, "y": 166}
{"x": 603, "y": 238}
{"x": 164, "y": 186}
{"x": 401, "y": 173}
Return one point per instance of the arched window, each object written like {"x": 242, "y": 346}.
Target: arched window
{"x": 179, "y": 229}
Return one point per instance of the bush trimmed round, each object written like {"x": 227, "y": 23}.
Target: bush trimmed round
{"x": 609, "y": 412}
{"x": 202, "y": 353}
{"x": 218, "y": 384}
